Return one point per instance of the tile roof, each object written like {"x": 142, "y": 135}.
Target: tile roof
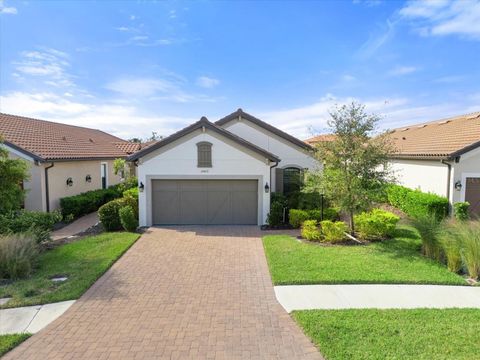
{"x": 46, "y": 140}
{"x": 320, "y": 138}
{"x": 442, "y": 139}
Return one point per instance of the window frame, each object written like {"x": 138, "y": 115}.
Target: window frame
{"x": 287, "y": 185}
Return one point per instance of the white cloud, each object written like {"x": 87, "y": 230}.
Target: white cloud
{"x": 377, "y": 40}
{"x": 403, "y": 70}
{"x": 125, "y": 121}
{"x": 141, "y": 87}
{"x": 49, "y": 65}
{"x": 348, "y": 78}
{"x": 308, "y": 120}
{"x": 207, "y": 82}
{"x": 10, "y": 10}
{"x": 445, "y": 17}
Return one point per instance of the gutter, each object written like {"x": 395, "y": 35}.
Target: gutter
{"x": 47, "y": 192}
{"x": 449, "y": 174}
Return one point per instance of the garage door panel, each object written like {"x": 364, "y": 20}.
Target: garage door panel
{"x": 246, "y": 214}
{"x": 204, "y": 202}
{"x": 219, "y": 207}
{"x": 192, "y": 204}
{"x": 166, "y": 207}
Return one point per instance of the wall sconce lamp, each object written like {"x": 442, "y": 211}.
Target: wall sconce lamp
{"x": 141, "y": 187}
{"x": 458, "y": 185}
{"x": 69, "y": 181}
{"x": 88, "y": 178}
{"x": 267, "y": 188}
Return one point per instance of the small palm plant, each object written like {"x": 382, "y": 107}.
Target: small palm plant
{"x": 429, "y": 228}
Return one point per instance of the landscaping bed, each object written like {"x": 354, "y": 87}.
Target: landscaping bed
{"x": 82, "y": 262}
{"x": 393, "y": 334}
{"x": 8, "y": 342}
{"x": 394, "y": 261}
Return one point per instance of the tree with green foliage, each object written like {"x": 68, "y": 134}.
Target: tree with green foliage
{"x": 12, "y": 173}
{"x": 355, "y": 171}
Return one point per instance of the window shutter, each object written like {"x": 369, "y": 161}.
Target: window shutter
{"x": 279, "y": 180}
{"x": 204, "y": 154}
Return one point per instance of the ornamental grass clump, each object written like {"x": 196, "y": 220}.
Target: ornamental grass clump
{"x": 429, "y": 227}
{"x": 468, "y": 237}
{"x": 18, "y": 253}
{"x": 451, "y": 249}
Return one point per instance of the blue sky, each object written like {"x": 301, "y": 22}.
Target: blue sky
{"x": 133, "y": 67}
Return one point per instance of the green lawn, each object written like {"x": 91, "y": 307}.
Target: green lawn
{"x": 83, "y": 261}
{"x": 8, "y": 342}
{"x": 393, "y": 334}
{"x": 395, "y": 261}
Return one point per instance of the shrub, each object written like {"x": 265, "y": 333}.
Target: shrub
{"x": 376, "y": 225}
{"x": 310, "y": 230}
{"x": 88, "y": 202}
{"x": 297, "y": 217}
{"x": 18, "y": 253}
{"x": 416, "y": 203}
{"x": 129, "y": 183}
{"x": 429, "y": 228}
{"x": 460, "y": 210}
{"x": 109, "y": 212}
{"x": 310, "y": 201}
{"x": 333, "y": 231}
{"x": 275, "y": 216}
{"x": 133, "y": 192}
{"x": 37, "y": 223}
{"x": 128, "y": 219}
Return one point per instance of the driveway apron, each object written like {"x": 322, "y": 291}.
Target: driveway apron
{"x": 199, "y": 292}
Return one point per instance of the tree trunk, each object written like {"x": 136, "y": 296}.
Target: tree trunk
{"x": 352, "y": 225}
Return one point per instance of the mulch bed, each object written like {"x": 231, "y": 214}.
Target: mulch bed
{"x": 277, "y": 227}
{"x": 327, "y": 244}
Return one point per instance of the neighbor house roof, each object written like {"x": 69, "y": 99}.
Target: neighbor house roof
{"x": 320, "y": 138}
{"x": 45, "y": 140}
{"x": 441, "y": 139}
{"x": 203, "y": 122}
{"x": 240, "y": 113}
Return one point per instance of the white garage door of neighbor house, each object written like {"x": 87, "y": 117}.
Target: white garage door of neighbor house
{"x": 205, "y": 202}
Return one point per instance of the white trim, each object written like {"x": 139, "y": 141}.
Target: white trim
{"x": 106, "y": 173}
{"x": 18, "y": 153}
{"x": 464, "y": 183}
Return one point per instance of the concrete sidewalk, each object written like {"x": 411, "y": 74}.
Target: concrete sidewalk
{"x": 305, "y": 297}
{"x": 76, "y": 227}
{"x": 31, "y": 319}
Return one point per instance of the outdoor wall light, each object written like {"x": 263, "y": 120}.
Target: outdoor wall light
{"x": 458, "y": 185}
{"x": 141, "y": 187}
{"x": 267, "y": 188}
{"x": 69, "y": 181}
{"x": 88, "y": 178}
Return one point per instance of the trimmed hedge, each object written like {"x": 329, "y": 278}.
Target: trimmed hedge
{"x": 333, "y": 231}
{"x": 85, "y": 203}
{"x": 37, "y": 223}
{"x": 297, "y": 217}
{"x": 376, "y": 225}
{"x": 109, "y": 213}
{"x": 416, "y": 203}
{"x": 310, "y": 230}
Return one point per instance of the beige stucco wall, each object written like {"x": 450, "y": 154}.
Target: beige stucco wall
{"x": 77, "y": 170}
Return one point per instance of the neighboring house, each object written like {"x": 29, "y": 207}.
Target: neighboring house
{"x": 64, "y": 160}
{"x": 320, "y": 138}
{"x": 218, "y": 173}
{"x": 441, "y": 157}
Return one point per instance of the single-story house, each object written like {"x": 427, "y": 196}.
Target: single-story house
{"x": 218, "y": 173}
{"x": 442, "y": 157}
{"x": 64, "y": 160}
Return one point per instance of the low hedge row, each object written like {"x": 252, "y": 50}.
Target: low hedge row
{"x": 109, "y": 213}
{"x": 296, "y": 217}
{"x": 37, "y": 223}
{"x": 416, "y": 203}
{"x": 376, "y": 224}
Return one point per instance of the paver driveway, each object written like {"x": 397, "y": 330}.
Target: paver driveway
{"x": 196, "y": 292}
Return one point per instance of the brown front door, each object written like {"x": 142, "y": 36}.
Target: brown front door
{"x": 472, "y": 195}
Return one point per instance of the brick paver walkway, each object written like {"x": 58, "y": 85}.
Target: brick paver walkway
{"x": 190, "y": 292}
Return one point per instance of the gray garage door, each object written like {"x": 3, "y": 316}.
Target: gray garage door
{"x": 216, "y": 202}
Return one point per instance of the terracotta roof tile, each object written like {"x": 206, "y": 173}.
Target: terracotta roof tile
{"x": 438, "y": 139}
{"x": 320, "y": 138}
{"x": 55, "y": 141}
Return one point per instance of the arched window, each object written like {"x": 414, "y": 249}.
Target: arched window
{"x": 204, "y": 154}
{"x": 292, "y": 180}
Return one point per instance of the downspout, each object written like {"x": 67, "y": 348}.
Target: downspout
{"x": 449, "y": 174}
{"x": 47, "y": 192}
